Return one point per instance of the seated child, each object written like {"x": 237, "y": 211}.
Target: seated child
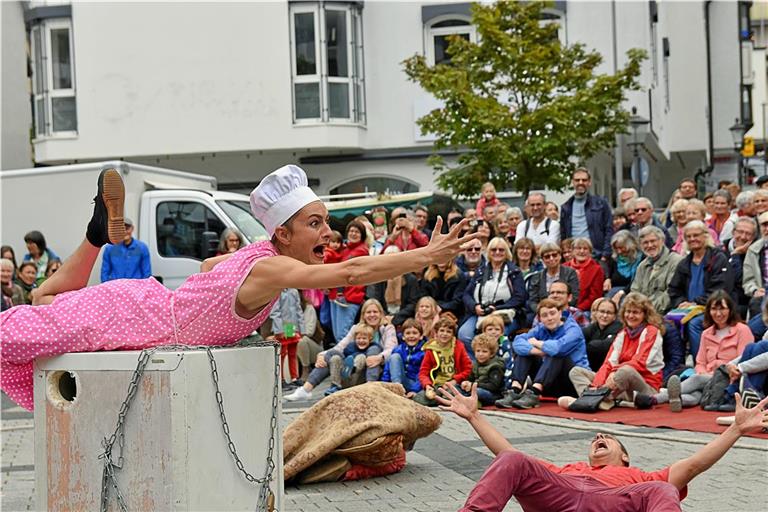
{"x": 445, "y": 360}
{"x": 356, "y": 355}
{"x": 405, "y": 361}
{"x": 493, "y": 326}
{"x": 487, "y": 370}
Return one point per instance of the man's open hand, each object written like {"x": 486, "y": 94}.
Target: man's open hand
{"x": 751, "y": 420}
{"x": 450, "y": 399}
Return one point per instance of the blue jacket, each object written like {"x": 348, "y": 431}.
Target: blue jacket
{"x": 566, "y": 340}
{"x": 599, "y": 223}
{"x": 412, "y": 358}
{"x": 122, "y": 261}
{"x": 514, "y": 281}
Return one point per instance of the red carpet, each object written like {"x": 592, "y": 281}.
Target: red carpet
{"x": 694, "y": 419}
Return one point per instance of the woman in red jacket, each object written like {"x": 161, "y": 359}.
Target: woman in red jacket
{"x": 635, "y": 359}
{"x": 346, "y": 301}
{"x": 591, "y": 275}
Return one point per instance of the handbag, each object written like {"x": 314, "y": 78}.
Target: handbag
{"x": 590, "y": 399}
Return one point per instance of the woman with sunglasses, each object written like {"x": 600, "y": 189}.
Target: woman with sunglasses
{"x": 496, "y": 287}
{"x": 554, "y": 270}
{"x": 622, "y": 265}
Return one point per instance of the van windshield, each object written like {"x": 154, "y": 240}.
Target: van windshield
{"x": 240, "y": 213}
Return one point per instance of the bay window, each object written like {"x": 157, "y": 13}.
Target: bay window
{"x": 53, "y": 82}
{"x": 327, "y": 63}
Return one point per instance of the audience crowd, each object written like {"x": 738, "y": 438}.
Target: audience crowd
{"x": 648, "y": 308}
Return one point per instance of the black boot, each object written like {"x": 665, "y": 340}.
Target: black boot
{"x": 107, "y": 223}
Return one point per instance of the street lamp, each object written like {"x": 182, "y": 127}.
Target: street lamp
{"x": 737, "y": 132}
{"x": 638, "y": 124}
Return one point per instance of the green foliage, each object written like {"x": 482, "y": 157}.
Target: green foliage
{"x": 521, "y": 104}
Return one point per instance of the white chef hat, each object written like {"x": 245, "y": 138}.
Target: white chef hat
{"x": 280, "y": 195}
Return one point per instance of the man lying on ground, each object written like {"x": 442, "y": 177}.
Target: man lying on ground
{"x": 606, "y": 483}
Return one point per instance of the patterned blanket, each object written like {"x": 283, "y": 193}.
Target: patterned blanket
{"x": 367, "y": 425}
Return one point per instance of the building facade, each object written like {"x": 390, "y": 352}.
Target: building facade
{"x": 237, "y": 89}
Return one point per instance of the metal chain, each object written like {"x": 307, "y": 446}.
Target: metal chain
{"x": 109, "y": 478}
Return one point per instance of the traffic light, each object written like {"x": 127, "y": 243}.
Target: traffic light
{"x": 748, "y": 148}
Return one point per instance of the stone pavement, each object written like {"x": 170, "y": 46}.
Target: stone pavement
{"x": 443, "y": 468}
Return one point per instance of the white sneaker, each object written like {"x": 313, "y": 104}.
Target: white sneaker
{"x": 298, "y": 394}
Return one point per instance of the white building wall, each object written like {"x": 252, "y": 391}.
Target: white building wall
{"x": 207, "y": 87}
{"x": 15, "y": 147}
{"x": 759, "y": 94}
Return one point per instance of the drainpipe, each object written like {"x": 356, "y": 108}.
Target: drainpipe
{"x": 619, "y": 159}
{"x": 708, "y": 169}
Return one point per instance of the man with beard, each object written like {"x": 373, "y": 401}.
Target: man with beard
{"x": 587, "y": 215}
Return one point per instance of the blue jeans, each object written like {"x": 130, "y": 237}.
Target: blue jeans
{"x": 397, "y": 374}
{"x": 484, "y": 396}
{"x": 371, "y": 374}
{"x": 468, "y": 330}
{"x": 342, "y": 317}
{"x": 694, "y": 328}
{"x": 757, "y": 380}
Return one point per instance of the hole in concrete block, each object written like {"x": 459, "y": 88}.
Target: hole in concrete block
{"x": 62, "y": 388}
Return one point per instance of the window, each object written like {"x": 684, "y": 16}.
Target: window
{"x": 327, "y": 63}
{"x": 53, "y": 81}
{"x": 437, "y": 37}
{"x": 240, "y": 213}
{"x": 180, "y": 228}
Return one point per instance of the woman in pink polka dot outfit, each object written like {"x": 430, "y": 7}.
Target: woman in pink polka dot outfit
{"x": 224, "y": 303}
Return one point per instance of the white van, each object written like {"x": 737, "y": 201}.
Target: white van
{"x": 179, "y": 215}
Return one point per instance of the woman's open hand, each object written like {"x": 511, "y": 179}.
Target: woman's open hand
{"x": 445, "y": 247}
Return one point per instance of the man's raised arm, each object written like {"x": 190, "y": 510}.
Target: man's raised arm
{"x": 747, "y": 420}
{"x": 466, "y": 407}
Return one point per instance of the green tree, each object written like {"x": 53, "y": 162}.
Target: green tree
{"x": 521, "y": 105}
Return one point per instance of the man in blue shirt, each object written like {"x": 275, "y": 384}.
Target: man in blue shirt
{"x": 129, "y": 259}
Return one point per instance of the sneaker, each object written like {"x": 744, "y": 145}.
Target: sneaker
{"x": 673, "y": 388}
{"x": 564, "y": 402}
{"x": 715, "y": 406}
{"x": 509, "y": 397}
{"x": 728, "y": 405}
{"x": 287, "y": 386}
{"x": 299, "y": 394}
{"x": 750, "y": 398}
{"x": 107, "y": 224}
{"x": 644, "y": 401}
{"x": 528, "y": 400}
{"x": 331, "y": 390}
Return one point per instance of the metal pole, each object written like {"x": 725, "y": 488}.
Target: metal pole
{"x": 765, "y": 146}
{"x": 636, "y": 165}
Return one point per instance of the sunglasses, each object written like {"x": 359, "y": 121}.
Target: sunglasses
{"x": 550, "y": 255}
{"x": 474, "y": 249}
{"x": 498, "y": 249}
{"x": 641, "y": 210}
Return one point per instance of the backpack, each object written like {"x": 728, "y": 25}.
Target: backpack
{"x": 546, "y": 227}
{"x": 715, "y": 389}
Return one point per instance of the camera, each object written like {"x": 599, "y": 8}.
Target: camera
{"x": 487, "y": 310}
{"x": 402, "y": 216}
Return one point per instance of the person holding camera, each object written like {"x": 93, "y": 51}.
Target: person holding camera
{"x": 496, "y": 287}
{"x": 404, "y": 233}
